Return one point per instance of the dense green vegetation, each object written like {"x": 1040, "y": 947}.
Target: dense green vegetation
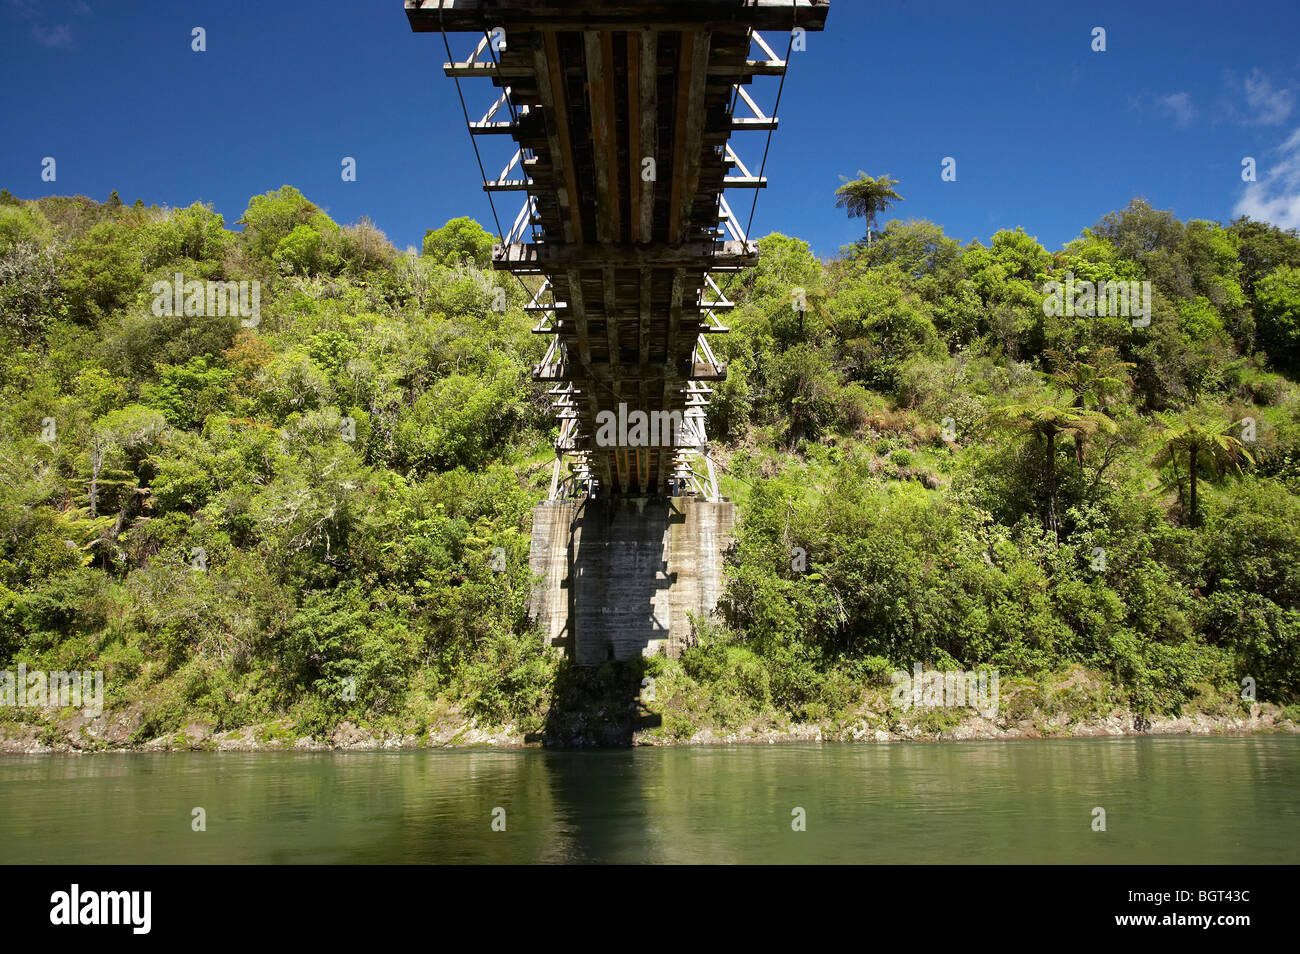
{"x": 297, "y": 517}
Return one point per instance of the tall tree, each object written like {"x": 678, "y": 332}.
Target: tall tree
{"x": 1277, "y": 306}
{"x": 1263, "y": 247}
{"x": 865, "y": 197}
{"x": 1047, "y": 419}
{"x": 1094, "y": 383}
{"x": 1203, "y": 444}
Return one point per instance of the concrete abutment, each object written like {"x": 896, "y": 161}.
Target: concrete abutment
{"x": 618, "y": 575}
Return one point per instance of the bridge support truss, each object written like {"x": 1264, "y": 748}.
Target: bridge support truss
{"x": 613, "y": 121}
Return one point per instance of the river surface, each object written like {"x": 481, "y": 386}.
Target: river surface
{"x": 1166, "y": 800}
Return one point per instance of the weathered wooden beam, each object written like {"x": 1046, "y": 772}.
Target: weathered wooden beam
{"x": 714, "y": 256}
{"x": 603, "y": 469}
{"x": 579, "y": 311}
{"x": 643, "y": 127}
{"x": 520, "y": 76}
{"x": 752, "y": 68}
{"x": 629, "y": 373}
{"x": 676, "y": 302}
{"x": 506, "y": 128}
{"x": 599, "y": 49}
{"x": 643, "y": 316}
{"x": 465, "y": 16}
{"x": 487, "y": 69}
{"x": 634, "y": 151}
{"x": 703, "y": 371}
{"x": 644, "y": 306}
{"x": 620, "y": 461}
{"x": 550, "y": 84}
{"x": 608, "y": 279}
{"x": 586, "y": 442}
{"x": 695, "y": 128}
{"x": 692, "y": 81}
{"x": 753, "y": 123}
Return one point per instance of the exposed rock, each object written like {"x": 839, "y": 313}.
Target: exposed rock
{"x": 114, "y": 731}
{"x": 348, "y": 736}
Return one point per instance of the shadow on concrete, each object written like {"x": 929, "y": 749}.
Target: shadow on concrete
{"x": 634, "y": 570}
{"x": 619, "y": 582}
{"x": 596, "y": 706}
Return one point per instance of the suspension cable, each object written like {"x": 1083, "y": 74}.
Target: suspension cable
{"x": 468, "y": 126}
{"x": 514, "y": 118}
{"x": 776, "y": 112}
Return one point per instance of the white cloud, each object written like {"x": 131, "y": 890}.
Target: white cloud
{"x": 1264, "y": 103}
{"x": 1276, "y": 196}
{"x": 49, "y": 35}
{"x": 53, "y": 36}
{"x": 1270, "y": 106}
{"x": 1180, "y": 105}
{"x": 23, "y": 8}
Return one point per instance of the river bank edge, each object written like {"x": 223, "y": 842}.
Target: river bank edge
{"x": 111, "y": 732}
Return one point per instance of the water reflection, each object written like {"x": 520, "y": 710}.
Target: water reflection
{"x": 1180, "y": 800}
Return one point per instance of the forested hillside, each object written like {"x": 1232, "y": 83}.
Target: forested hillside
{"x": 292, "y": 516}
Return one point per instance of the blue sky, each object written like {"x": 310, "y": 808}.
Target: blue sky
{"x": 1046, "y": 133}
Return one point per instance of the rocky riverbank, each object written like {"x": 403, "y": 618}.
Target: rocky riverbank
{"x": 114, "y": 732}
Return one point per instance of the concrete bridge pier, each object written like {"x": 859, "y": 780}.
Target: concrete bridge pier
{"x": 617, "y": 575}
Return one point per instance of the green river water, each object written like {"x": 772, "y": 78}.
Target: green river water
{"x": 1166, "y": 800}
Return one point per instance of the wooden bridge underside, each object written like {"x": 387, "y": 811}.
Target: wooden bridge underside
{"x": 622, "y": 114}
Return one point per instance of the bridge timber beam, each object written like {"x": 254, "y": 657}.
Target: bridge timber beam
{"x": 468, "y": 16}
{"x": 702, "y": 256}
{"x": 620, "y": 116}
